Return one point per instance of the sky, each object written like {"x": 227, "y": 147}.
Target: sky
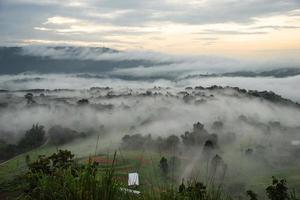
{"x": 230, "y": 27}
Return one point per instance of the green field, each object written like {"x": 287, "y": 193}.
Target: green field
{"x": 146, "y": 163}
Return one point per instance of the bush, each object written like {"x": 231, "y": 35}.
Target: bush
{"x": 59, "y": 177}
{"x": 278, "y": 190}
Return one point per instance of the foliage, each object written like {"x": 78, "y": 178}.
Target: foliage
{"x": 164, "y": 166}
{"x": 59, "y": 177}
{"x": 83, "y": 102}
{"x": 196, "y": 137}
{"x": 29, "y": 97}
{"x": 195, "y": 190}
{"x": 278, "y": 190}
{"x": 138, "y": 141}
{"x": 7, "y": 150}
{"x": 172, "y": 141}
{"x": 47, "y": 165}
{"x": 59, "y": 135}
{"x": 33, "y": 138}
{"x": 252, "y": 195}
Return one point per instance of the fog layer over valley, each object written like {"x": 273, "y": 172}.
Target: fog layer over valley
{"x": 243, "y": 130}
{"x": 150, "y": 99}
{"x": 67, "y": 67}
{"x": 287, "y": 87}
{"x": 222, "y": 121}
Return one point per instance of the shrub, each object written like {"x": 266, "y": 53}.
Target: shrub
{"x": 278, "y": 190}
{"x": 59, "y": 177}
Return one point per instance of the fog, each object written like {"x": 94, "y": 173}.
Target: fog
{"x": 269, "y": 129}
{"x": 286, "y": 87}
{"x": 125, "y": 109}
{"x": 224, "y": 133}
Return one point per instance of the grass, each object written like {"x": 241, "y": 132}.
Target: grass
{"x": 17, "y": 165}
{"x": 153, "y": 185}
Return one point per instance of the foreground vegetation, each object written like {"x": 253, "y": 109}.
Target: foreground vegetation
{"x": 59, "y": 176}
{"x": 103, "y": 176}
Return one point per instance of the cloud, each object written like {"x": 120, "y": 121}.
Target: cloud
{"x": 59, "y": 24}
{"x": 230, "y": 32}
{"x": 63, "y": 20}
{"x": 209, "y": 38}
{"x": 206, "y": 41}
{"x": 208, "y": 65}
{"x": 276, "y": 27}
{"x": 194, "y": 12}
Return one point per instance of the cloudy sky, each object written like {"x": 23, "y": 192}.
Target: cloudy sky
{"x": 240, "y": 27}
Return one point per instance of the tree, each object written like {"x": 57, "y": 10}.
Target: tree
{"x": 59, "y": 135}
{"x": 164, "y": 166}
{"x": 136, "y": 141}
{"x": 83, "y": 102}
{"x": 29, "y": 97}
{"x": 181, "y": 188}
{"x": 33, "y": 138}
{"x": 196, "y": 137}
{"x": 171, "y": 142}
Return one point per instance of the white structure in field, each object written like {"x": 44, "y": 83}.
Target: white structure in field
{"x": 133, "y": 179}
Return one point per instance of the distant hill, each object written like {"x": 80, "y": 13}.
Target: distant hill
{"x": 14, "y": 60}
{"x": 277, "y": 73}
{"x": 99, "y": 61}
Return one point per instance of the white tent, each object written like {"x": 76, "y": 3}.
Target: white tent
{"x": 133, "y": 179}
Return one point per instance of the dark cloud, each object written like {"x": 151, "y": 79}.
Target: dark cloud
{"x": 204, "y": 12}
